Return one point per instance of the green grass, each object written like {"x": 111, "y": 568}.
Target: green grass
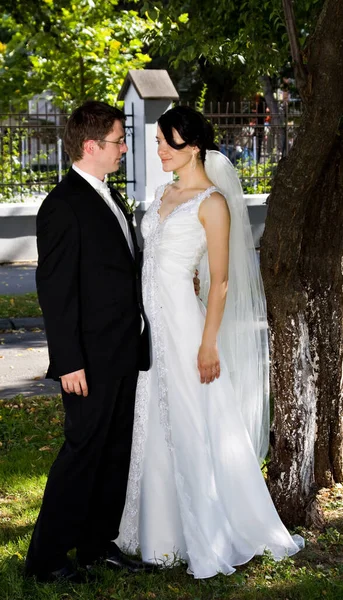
{"x": 23, "y": 305}
{"x": 31, "y": 432}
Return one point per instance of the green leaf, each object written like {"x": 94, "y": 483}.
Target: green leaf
{"x": 184, "y": 18}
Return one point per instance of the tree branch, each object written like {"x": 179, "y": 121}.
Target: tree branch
{"x": 300, "y": 71}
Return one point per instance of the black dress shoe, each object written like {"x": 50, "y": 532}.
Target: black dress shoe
{"x": 116, "y": 559}
{"x": 65, "y": 574}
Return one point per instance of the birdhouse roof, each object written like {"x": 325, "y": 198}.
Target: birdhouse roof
{"x": 150, "y": 84}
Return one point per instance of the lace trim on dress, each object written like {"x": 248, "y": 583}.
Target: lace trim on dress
{"x": 130, "y": 521}
{"x": 129, "y": 529}
{"x": 183, "y": 205}
{"x": 156, "y": 323}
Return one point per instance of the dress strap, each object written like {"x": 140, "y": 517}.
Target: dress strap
{"x": 160, "y": 190}
{"x": 206, "y": 193}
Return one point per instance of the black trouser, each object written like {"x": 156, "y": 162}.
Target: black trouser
{"x": 85, "y": 492}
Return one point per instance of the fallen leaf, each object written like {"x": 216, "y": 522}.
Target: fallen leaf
{"x": 44, "y": 448}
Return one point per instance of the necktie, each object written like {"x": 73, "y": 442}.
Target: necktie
{"x": 105, "y": 193}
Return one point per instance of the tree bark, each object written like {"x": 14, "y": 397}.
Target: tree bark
{"x": 301, "y": 260}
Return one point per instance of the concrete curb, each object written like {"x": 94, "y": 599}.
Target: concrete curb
{"x": 27, "y": 323}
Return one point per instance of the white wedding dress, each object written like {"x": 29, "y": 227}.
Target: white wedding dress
{"x": 195, "y": 487}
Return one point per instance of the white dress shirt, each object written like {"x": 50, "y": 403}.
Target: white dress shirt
{"x": 104, "y": 191}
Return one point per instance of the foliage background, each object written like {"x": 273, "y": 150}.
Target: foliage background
{"x": 73, "y": 50}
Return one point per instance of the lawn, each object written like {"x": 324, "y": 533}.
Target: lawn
{"x": 31, "y": 432}
{"x": 21, "y": 305}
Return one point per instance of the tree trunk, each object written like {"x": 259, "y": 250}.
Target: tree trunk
{"x": 301, "y": 259}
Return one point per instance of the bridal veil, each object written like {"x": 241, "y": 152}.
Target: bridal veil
{"x": 243, "y": 336}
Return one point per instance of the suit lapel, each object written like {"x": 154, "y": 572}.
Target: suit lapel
{"x": 129, "y": 217}
{"x": 76, "y": 180}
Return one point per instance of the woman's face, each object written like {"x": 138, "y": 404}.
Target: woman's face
{"x": 172, "y": 159}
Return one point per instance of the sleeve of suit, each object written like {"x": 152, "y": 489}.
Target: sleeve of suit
{"x": 57, "y": 277}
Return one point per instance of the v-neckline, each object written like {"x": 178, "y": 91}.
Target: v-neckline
{"x": 161, "y": 221}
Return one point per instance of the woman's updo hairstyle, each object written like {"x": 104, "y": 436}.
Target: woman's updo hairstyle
{"x": 191, "y": 125}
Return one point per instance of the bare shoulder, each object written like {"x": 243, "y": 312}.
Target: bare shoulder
{"x": 214, "y": 205}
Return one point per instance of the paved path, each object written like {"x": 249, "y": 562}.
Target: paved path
{"x": 23, "y": 363}
{"x": 17, "y": 278}
{"x": 23, "y": 349}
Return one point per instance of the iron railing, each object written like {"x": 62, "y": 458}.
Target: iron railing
{"x": 32, "y": 156}
{"x": 254, "y": 138}
{"x": 33, "y": 160}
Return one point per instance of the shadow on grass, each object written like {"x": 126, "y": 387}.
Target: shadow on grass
{"x": 31, "y": 434}
{"x": 168, "y": 585}
{"x": 32, "y": 426}
{"x": 21, "y": 521}
{"x": 309, "y": 588}
{"x": 12, "y": 533}
{"x": 27, "y": 470}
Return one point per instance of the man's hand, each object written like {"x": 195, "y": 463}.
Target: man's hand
{"x": 75, "y": 383}
{"x": 196, "y": 282}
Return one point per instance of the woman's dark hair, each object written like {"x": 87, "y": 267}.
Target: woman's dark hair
{"x": 91, "y": 121}
{"x": 191, "y": 125}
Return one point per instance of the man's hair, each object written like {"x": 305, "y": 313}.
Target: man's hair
{"x": 91, "y": 121}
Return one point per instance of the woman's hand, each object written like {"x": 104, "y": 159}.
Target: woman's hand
{"x": 196, "y": 282}
{"x": 208, "y": 363}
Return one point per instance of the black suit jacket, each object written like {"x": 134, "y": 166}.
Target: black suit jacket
{"x": 89, "y": 284}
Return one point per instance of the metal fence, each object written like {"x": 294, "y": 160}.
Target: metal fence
{"x": 254, "y": 138}
{"x": 32, "y": 156}
{"x": 33, "y": 160}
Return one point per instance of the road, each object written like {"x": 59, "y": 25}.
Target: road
{"x": 17, "y": 278}
{"x": 23, "y": 363}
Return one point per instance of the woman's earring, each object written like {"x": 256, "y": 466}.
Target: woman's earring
{"x": 193, "y": 161}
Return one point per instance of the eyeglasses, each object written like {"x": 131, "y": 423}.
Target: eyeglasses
{"x": 120, "y": 142}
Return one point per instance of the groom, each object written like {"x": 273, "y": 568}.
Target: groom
{"x": 88, "y": 282}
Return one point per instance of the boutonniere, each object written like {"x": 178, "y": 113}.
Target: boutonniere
{"x": 130, "y": 206}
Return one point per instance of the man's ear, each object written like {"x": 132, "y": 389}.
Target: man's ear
{"x": 88, "y": 147}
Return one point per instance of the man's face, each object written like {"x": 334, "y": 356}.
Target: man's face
{"x": 108, "y": 151}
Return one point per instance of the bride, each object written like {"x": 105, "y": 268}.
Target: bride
{"x": 202, "y": 418}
